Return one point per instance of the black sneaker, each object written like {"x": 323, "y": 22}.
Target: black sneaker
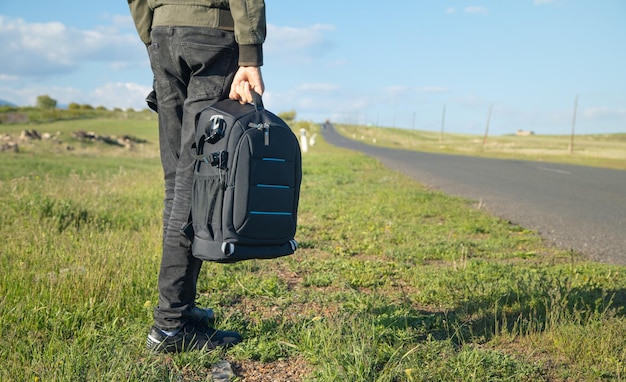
{"x": 190, "y": 337}
{"x": 204, "y": 316}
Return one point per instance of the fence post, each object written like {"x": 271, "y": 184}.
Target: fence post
{"x": 443, "y": 122}
{"x": 571, "y": 142}
{"x": 487, "y": 127}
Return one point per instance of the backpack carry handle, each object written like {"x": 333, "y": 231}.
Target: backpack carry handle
{"x": 257, "y": 101}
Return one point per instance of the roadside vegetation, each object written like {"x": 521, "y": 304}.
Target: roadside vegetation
{"x": 392, "y": 281}
{"x": 601, "y": 150}
{"x": 46, "y": 110}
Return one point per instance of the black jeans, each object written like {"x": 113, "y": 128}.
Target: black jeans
{"x": 193, "y": 67}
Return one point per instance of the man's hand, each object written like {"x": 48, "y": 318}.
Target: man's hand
{"x": 247, "y": 79}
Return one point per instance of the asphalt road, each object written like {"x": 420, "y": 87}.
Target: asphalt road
{"x": 575, "y": 207}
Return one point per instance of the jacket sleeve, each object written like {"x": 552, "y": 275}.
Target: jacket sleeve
{"x": 250, "y": 30}
{"x": 142, "y": 16}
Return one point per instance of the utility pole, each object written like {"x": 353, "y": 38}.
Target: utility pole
{"x": 571, "y": 143}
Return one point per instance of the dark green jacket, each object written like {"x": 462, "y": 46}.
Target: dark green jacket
{"x": 248, "y": 16}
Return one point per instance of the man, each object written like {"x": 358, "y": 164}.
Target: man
{"x": 201, "y": 51}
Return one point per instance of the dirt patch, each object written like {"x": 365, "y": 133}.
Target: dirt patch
{"x": 287, "y": 370}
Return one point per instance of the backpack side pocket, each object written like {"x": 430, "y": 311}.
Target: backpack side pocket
{"x": 206, "y": 207}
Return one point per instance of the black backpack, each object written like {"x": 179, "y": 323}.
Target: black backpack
{"x": 246, "y": 184}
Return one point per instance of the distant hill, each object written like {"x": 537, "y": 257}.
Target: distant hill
{"x": 6, "y": 103}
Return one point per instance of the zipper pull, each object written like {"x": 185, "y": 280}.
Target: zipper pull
{"x": 265, "y": 128}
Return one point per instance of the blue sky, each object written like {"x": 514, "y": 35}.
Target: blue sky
{"x": 358, "y": 62}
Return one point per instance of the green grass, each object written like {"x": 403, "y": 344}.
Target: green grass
{"x": 601, "y": 150}
{"x": 393, "y": 282}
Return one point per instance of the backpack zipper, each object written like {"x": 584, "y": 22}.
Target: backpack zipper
{"x": 263, "y": 127}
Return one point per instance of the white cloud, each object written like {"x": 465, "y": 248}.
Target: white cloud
{"x": 397, "y": 90}
{"x": 450, "y": 10}
{"x": 298, "y": 44}
{"x": 396, "y": 94}
{"x": 39, "y": 49}
{"x": 603, "y": 112}
{"x": 119, "y": 94}
{"x": 122, "y": 21}
{"x": 6, "y": 77}
{"x": 475, "y": 9}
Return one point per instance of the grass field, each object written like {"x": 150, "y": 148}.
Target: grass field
{"x": 393, "y": 282}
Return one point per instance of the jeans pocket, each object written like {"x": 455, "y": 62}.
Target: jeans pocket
{"x": 210, "y": 65}
{"x": 160, "y": 82}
